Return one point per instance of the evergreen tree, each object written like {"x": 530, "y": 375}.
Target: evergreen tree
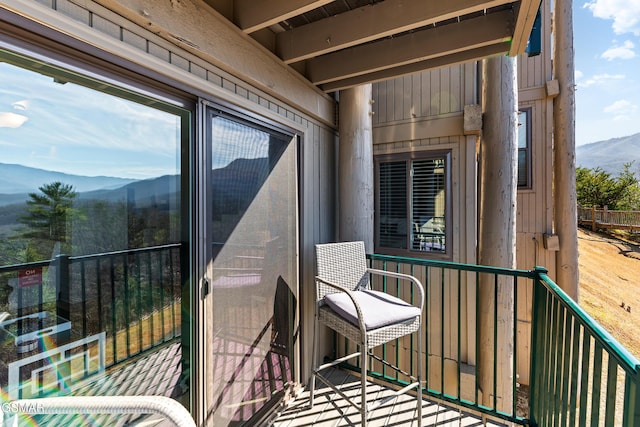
{"x": 595, "y": 187}
{"x": 48, "y": 214}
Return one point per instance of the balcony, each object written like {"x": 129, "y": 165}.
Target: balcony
{"x": 567, "y": 369}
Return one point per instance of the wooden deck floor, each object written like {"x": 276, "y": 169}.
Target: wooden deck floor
{"x": 330, "y": 410}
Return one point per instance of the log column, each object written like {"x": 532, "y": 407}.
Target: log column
{"x": 497, "y": 235}
{"x": 564, "y": 168}
{"x": 355, "y": 163}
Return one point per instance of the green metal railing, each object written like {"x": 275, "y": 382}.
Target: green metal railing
{"x": 556, "y": 347}
{"x": 581, "y": 375}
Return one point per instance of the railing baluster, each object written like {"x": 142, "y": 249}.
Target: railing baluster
{"x": 138, "y": 263}
{"x": 173, "y": 298}
{"x": 554, "y": 386}
{"x": 161, "y": 285}
{"x": 566, "y": 355}
{"x": 397, "y": 343}
{"x": 539, "y": 342}
{"x": 514, "y": 393}
{"x": 495, "y": 342}
{"x": 83, "y": 292}
{"x": 631, "y": 411}
{"x": 442, "y": 329}
{"x": 459, "y": 347}
{"x": 127, "y": 320}
{"x": 548, "y": 355}
{"x": 427, "y": 324}
{"x": 477, "y": 342}
{"x": 612, "y": 382}
{"x": 152, "y": 339}
{"x": 411, "y": 338}
{"x": 597, "y": 381}
{"x": 99, "y": 294}
{"x": 575, "y": 359}
{"x": 584, "y": 379}
{"x": 114, "y": 328}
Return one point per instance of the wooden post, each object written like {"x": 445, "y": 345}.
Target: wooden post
{"x": 564, "y": 172}
{"x": 355, "y": 166}
{"x": 497, "y": 235}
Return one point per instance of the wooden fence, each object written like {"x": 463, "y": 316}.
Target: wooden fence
{"x": 604, "y": 218}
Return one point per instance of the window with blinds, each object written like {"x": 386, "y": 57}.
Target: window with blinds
{"x": 412, "y": 204}
{"x": 524, "y": 148}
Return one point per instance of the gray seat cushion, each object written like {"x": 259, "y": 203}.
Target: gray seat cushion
{"x": 378, "y": 308}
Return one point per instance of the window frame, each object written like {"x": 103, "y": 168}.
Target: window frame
{"x": 528, "y": 185}
{"x": 408, "y": 158}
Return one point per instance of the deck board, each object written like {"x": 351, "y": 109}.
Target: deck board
{"x": 330, "y": 410}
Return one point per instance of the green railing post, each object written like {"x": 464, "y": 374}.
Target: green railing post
{"x": 631, "y": 412}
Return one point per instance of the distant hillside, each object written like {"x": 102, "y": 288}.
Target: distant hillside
{"x": 152, "y": 191}
{"x": 16, "y": 179}
{"x": 610, "y": 155}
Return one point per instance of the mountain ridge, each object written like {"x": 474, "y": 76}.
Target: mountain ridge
{"x": 610, "y": 155}
{"x": 16, "y": 179}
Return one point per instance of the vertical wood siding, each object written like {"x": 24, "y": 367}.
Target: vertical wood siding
{"x": 427, "y": 94}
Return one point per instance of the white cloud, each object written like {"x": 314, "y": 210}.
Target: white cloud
{"x": 624, "y": 13}
{"x": 622, "y": 110}
{"x": 12, "y": 120}
{"x": 578, "y": 74}
{"x": 599, "y": 79}
{"x": 620, "y": 52}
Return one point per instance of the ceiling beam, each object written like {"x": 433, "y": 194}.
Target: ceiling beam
{"x": 369, "y": 23}
{"x": 441, "y": 61}
{"x": 252, "y": 15}
{"x": 526, "y": 15}
{"x": 413, "y": 47}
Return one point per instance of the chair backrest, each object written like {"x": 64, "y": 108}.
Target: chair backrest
{"x": 344, "y": 264}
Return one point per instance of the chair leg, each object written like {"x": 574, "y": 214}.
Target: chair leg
{"x": 364, "y": 355}
{"x": 419, "y": 375}
{"x": 314, "y": 360}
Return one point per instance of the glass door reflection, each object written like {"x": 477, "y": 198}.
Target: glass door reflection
{"x": 253, "y": 276}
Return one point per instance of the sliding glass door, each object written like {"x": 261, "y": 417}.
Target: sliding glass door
{"x": 251, "y": 286}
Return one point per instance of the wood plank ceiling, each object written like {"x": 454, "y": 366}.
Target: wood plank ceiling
{"x": 343, "y": 43}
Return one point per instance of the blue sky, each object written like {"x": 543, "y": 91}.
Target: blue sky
{"x": 607, "y": 69}
{"x": 72, "y": 129}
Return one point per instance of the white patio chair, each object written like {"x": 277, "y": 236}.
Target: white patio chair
{"x": 346, "y": 303}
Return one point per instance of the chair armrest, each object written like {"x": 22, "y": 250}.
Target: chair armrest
{"x": 159, "y": 405}
{"x": 363, "y": 329}
{"x": 403, "y": 276}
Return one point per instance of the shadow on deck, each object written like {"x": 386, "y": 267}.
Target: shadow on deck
{"x": 331, "y": 410}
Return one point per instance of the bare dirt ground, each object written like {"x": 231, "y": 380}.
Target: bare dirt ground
{"x": 609, "y": 271}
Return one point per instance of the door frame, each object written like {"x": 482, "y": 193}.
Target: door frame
{"x": 202, "y": 253}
